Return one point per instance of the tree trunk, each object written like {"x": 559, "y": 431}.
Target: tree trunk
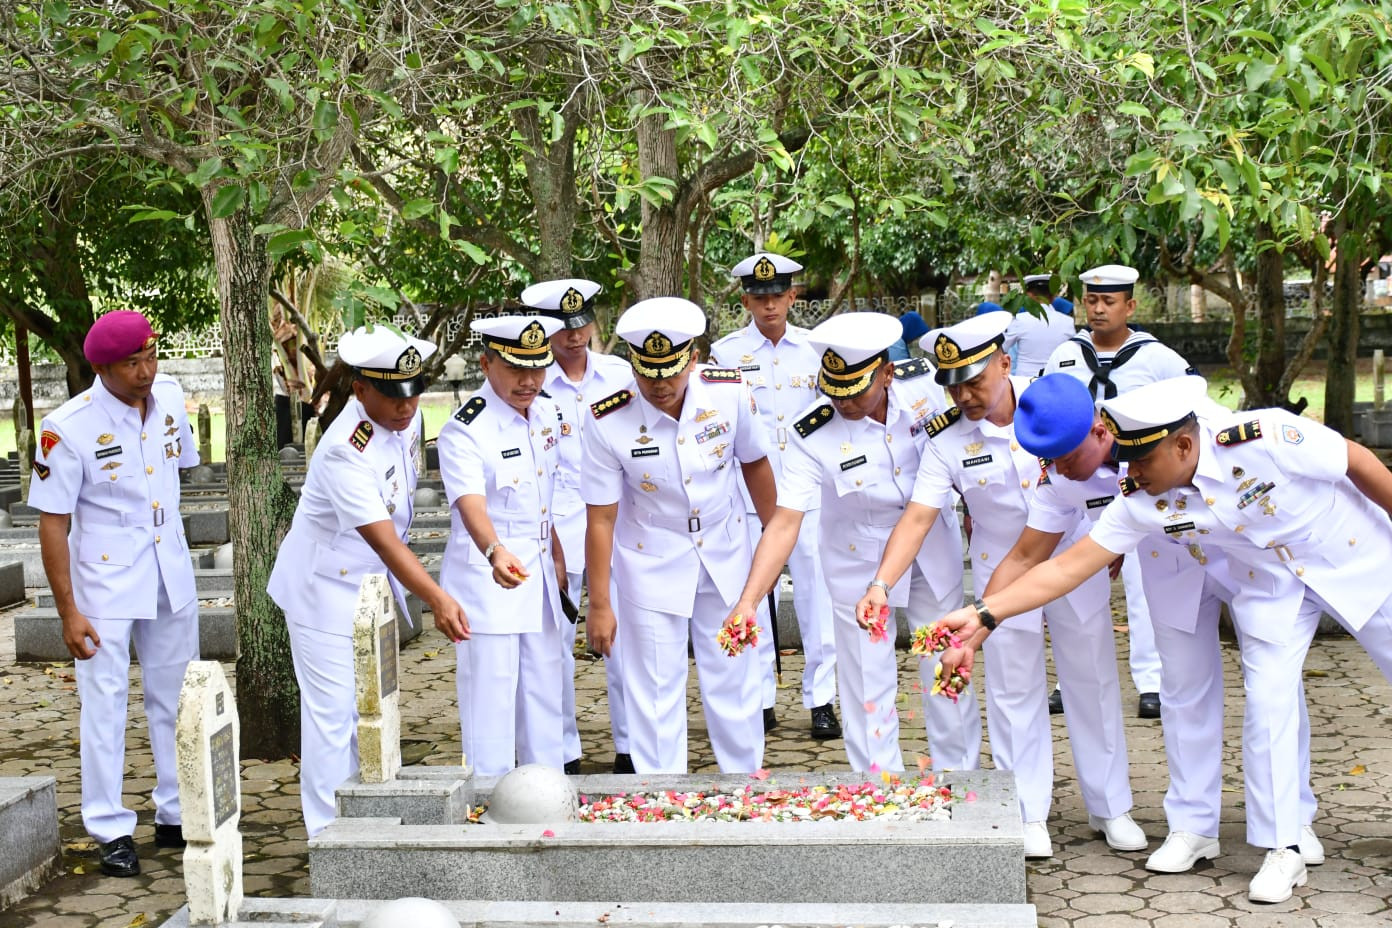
{"x": 551, "y": 177}
{"x": 1349, "y": 244}
{"x": 260, "y": 504}
{"x": 1270, "y": 361}
{"x": 664, "y": 225}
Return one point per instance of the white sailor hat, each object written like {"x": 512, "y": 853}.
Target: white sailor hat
{"x": 853, "y": 346}
{"x": 962, "y": 351}
{"x": 1110, "y": 278}
{"x": 1031, "y": 279}
{"x": 386, "y": 357}
{"x": 522, "y": 341}
{"x": 570, "y": 299}
{"x": 765, "y": 272}
{"x": 659, "y": 332}
{"x": 1139, "y": 419}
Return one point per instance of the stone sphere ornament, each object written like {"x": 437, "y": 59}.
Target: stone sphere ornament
{"x": 533, "y": 794}
{"x": 410, "y": 912}
{"x": 290, "y": 454}
{"x": 426, "y": 498}
{"x": 202, "y": 474}
{"x": 222, "y": 557}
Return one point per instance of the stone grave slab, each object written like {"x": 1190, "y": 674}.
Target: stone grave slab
{"x": 981, "y": 846}
{"x": 12, "y": 584}
{"x": 376, "y": 669}
{"x": 29, "y": 850}
{"x": 39, "y": 635}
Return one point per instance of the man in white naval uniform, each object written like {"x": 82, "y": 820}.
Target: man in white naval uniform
{"x": 108, "y": 467}
{"x": 576, "y": 379}
{"x": 499, "y": 457}
{"x": 1301, "y": 515}
{"x": 665, "y": 509}
{"x": 978, "y": 456}
{"x": 1111, "y": 357}
{"x": 854, "y": 455}
{"x": 780, "y": 367}
{"x": 352, "y": 520}
{"x": 1033, "y": 336}
{"x": 1057, "y": 421}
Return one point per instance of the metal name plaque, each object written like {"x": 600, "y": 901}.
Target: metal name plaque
{"x": 226, "y": 778}
{"x": 386, "y": 652}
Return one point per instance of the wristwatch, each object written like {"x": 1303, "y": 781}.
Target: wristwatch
{"x": 988, "y": 621}
{"x": 877, "y": 582}
{"x": 488, "y": 551}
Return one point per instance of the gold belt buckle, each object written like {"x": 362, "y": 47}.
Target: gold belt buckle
{"x": 1283, "y": 553}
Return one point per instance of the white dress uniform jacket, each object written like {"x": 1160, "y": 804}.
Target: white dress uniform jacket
{"x": 860, "y": 474}
{"x": 360, "y": 473}
{"x": 118, "y": 477}
{"x": 997, "y": 478}
{"x": 1030, "y": 339}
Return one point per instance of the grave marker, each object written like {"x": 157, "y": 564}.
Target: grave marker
{"x": 207, "y": 744}
{"x": 375, "y": 664}
{"x": 311, "y": 438}
{"x": 205, "y": 434}
{"x": 25, "y": 442}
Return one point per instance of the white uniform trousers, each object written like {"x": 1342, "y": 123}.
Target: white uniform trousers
{"x": 812, "y": 604}
{"x": 328, "y": 719}
{"x": 613, "y": 683}
{"x": 510, "y": 699}
{"x": 868, "y": 678}
{"x": 653, "y": 662}
{"x": 570, "y": 729}
{"x": 1017, "y": 709}
{"x": 165, "y": 645}
{"x": 1145, "y": 661}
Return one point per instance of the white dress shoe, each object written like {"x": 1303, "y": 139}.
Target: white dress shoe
{"x": 1311, "y": 850}
{"x": 1181, "y": 850}
{"x": 1122, "y": 833}
{"x": 1280, "y": 873}
{"x": 1037, "y": 843}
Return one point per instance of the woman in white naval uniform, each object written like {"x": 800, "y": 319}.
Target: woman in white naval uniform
{"x": 665, "y": 510}
{"x": 108, "y": 465}
{"x": 352, "y": 520}
{"x": 577, "y": 378}
{"x": 499, "y": 459}
{"x": 978, "y": 456}
{"x": 853, "y": 456}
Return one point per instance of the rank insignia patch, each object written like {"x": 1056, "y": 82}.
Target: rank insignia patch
{"x": 721, "y": 375}
{"x": 1237, "y": 434}
{"x": 470, "y": 410}
{"x": 47, "y": 440}
{"x": 941, "y": 421}
{"x": 813, "y": 420}
{"x": 610, "y": 403}
{"x": 42, "y": 470}
{"x": 361, "y": 435}
{"x": 1127, "y": 486}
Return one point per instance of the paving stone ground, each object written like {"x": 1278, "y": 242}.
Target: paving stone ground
{"x": 1085, "y": 885}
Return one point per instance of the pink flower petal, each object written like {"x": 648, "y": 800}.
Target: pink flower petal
{"x": 971, "y": 795}
{"x": 548, "y": 833}
{"x": 869, "y": 707}
{"x": 760, "y": 774}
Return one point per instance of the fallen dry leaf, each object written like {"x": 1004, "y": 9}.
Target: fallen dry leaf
{"x": 1358, "y": 770}
{"x": 139, "y": 920}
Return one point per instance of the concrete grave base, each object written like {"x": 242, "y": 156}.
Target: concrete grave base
{"x": 350, "y": 913}
{"x": 12, "y": 584}
{"x": 685, "y": 862}
{"x": 29, "y": 852}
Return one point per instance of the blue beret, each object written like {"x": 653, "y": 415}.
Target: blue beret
{"x": 1054, "y": 415}
{"x": 1062, "y": 305}
{"x": 913, "y": 325}
{"x": 988, "y": 307}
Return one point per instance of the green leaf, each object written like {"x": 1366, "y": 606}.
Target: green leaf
{"x": 325, "y": 116}
{"x": 226, "y": 201}
{"x": 413, "y": 60}
{"x": 475, "y": 253}
{"x": 282, "y": 242}
{"x": 415, "y": 209}
{"x": 206, "y": 171}
{"x": 1132, "y": 108}
{"x": 1257, "y": 74}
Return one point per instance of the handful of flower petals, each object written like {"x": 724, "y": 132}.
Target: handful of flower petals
{"x": 737, "y": 634}
{"x": 933, "y": 639}
{"x": 918, "y": 800}
{"x": 952, "y": 687}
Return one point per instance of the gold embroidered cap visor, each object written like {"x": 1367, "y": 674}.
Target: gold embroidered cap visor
{"x": 400, "y": 381}
{"x": 841, "y": 381}
{"x": 531, "y": 348}
{"x": 1134, "y": 444}
{"x": 657, "y": 358}
{"x": 956, "y": 366}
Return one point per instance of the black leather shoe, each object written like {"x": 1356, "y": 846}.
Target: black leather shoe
{"x": 623, "y": 763}
{"x": 1056, "y": 702}
{"x": 572, "y": 767}
{"x": 169, "y": 835}
{"x": 824, "y": 723}
{"x": 118, "y": 857}
{"x": 770, "y": 720}
{"x": 1148, "y": 706}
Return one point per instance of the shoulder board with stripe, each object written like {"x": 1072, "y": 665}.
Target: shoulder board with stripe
{"x": 42, "y": 470}
{"x": 913, "y": 367}
{"x": 470, "y": 410}
{"x": 361, "y": 435}
{"x": 813, "y": 420}
{"x": 545, "y": 394}
{"x": 610, "y": 403}
{"x": 1237, "y": 434}
{"x": 722, "y": 375}
{"x": 941, "y": 421}
{"x": 1127, "y": 486}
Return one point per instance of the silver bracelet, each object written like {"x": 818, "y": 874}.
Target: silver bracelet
{"x": 877, "y": 582}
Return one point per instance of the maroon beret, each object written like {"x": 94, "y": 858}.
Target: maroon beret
{"x": 116, "y": 336}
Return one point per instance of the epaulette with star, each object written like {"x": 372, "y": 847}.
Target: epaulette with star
{"x": 361, "y": 435}
{"x": 911, "y": 368}
{"x": 813, "y": 420}
{"x": 1237, "y": 434}
{"x": 942, "y": 421}
{"x": 610, "y": 403}
{"x": 470, "y": 410}
{"x": 722, "y": 375}
{"x": 1128, "y": 486}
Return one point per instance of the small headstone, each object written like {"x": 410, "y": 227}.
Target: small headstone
{"x": 5, "y": 520}
{"x": 311, "y": 438}
{"x": 375, "y": 664}
{"x": 289, "y": 454}
{"x": 26, "y": 461}
{"x": 207, "y": 744}
{"x": 426, "y": 498}
{"x": 413, "y": 911}
{"x": 202, "y": 474}
{"x": 205, "y": 434}
{"x": 21, "y": 421}
{"x": 222, "y": 557}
